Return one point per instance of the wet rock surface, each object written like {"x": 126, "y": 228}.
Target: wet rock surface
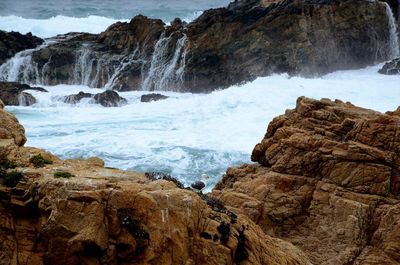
{"x": 12, "y": 93}
{"x": 76, "y": 98}
{"x": 152, "y": 97}
{"x": 327, "y": 179}
{"x": 109, "y": 98}
{"x": 297, "y": 37}
{"x": 14, "y": 42}
{"x": 79, "y": 212}
{"x": 391, "y": 68}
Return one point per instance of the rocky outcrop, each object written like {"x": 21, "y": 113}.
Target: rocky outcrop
{"x": 14, "y": 42}
{"x": 327, "y": 179}
{"x": 12, "y": 93}
{"x": 11, "y": 132}
{"x": 79, "y": 212}
{"x": 76, "y": 98}
{"x": 152, "y": 97}
{"x": 391, "y": 68}
{"x": 298, "y": 37}
{"x": 109, "y": 98}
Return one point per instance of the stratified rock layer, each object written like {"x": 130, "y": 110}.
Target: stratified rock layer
{"x": 327, "y": 180}
{"x": 79, "y": 212}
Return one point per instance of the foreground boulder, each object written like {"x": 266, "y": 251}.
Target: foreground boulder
{"x": 327, "y": 180}
{"x": 12, "y": 93}
{"x": 300, "y": 37}
{"x": 79, "y": 212}
{"x": 13, "y": 42}
{"x": 391, "y": 68}
{"x": 109, "y": 98}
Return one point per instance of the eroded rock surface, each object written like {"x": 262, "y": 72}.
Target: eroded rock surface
{"x": 327, "y": 179}
{"x": 305, "y": 37}
{"x": 79, "y": 212}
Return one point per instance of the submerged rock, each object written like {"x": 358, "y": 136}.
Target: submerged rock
{"x": 152, "y": 97}
{"x": 95, "y": 215}
{"x": 391, "y": 68}
{"x": 76, "y": 98}
{"x": 109, "y": 98}
{"x": 12, "y": 93}
{"x": 300, "y": 37}
{"x": 327, "y": 180}
{"x": 14, "y": 42}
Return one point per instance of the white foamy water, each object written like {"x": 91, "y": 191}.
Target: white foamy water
{"x": 50, "y": 27}
{"x": 53, "y": 26}
{"x": 189, "y": 135}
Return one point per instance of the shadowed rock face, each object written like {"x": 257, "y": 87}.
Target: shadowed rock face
{"x": 327, "y": 180}
{"x": 78, "y": 212}
{"x": 12, "y": 94}
{"x": 13, "y": 42}
{"x": 391, "y": 68}
{"x": 298, "y": 37}
{"x": 109, "y": 98}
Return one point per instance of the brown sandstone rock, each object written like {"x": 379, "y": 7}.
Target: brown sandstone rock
{"x": 97, "y": 215}
{"x": 327, "y": 180}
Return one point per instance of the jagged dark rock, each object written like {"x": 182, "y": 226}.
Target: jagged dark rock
{"x": 152, "y": 97}
{"x": 300, "y": 37}
{"x": 198, "y": 185}
{"x": 76, "y": 98}
{"x": 391, "y": 68}
{"x": 109, "y": 98}
{"x": 12, "y": 93}
{"x": 14, "y": 42}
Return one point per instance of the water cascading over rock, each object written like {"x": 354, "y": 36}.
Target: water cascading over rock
{"x": 221, "y": 48}
{"x": 394, "y": 49}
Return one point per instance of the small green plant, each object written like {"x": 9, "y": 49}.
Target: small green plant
{"x": 7, "y": 164}
{"x": 63, "y": 174}
{"x": 10, "y": 179}
{"x": 40, "y": 161}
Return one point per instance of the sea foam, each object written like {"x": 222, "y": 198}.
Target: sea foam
{"x": 46, "y": 28}
{"x": 189, "y": 135}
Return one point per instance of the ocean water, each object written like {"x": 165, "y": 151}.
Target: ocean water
{"x": 47, "y": 18}
{"x": 189, "y": 135}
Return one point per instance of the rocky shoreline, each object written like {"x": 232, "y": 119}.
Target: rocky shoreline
{"x": 79, "y": 212}
{"x": 299, "y": 37}
{"x": 324, "y": 190}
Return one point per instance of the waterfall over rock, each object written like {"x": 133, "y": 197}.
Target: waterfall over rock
{"x": 221, "y": 48}
{"x": 394, "y": 49}
{"x": 167, "y": 68}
